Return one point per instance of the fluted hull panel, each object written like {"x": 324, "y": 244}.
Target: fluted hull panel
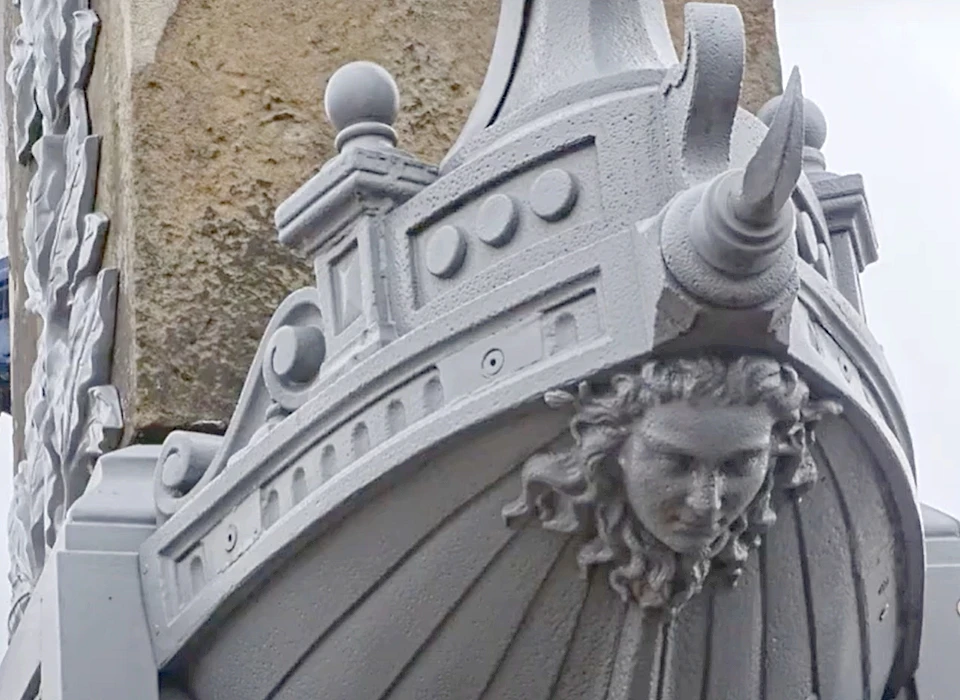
{"x": 412, "y": 597}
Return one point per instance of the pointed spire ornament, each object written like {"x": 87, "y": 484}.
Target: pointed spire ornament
{"x": 730, "y": 242}
{"x": 772, "y": 174}
{"x": 745, "y": 216}
{"x": 814, "y": 132}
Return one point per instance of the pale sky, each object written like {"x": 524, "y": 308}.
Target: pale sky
{"x": 886, "y": 74}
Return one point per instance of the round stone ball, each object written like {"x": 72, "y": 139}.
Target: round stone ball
{"x": 361, "y": 92}
{"x": 814, "y": 123}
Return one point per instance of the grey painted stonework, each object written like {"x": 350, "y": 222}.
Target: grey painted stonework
{"x": 588, "y": 411}
{"x": 72, "y": 411}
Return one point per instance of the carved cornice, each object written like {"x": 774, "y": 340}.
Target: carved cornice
{"x": 844, "y": 202}
{"x": 72, "y": 412}
{"x": 358, "y": 182}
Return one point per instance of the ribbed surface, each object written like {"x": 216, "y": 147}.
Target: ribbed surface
{"x": 472, "y": 609}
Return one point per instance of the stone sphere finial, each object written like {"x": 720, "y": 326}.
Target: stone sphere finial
{"x": 814, "y": 123}
{"x": 362, "y": 103}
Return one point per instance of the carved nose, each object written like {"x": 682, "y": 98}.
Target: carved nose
{"x": 704, "y": 497}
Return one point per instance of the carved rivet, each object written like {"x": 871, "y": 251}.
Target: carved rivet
{"x": 958, "y": 607}
{"x": 446, "y": 251}
{"x": 553, "y": 195}
{"x": 883, "y": 611}
{"x": 296, "y": 353}
{"x": 492, "y": 362}
{"x": 231, "y": 538}
{"x": 173, "y": 473}
{"x": 497, "y": 220}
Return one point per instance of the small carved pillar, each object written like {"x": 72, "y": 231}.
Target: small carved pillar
{"x": 95, "y": 642}
{"x": 336, "y": 216}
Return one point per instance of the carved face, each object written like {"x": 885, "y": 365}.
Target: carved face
{"x": 691, "y": 469}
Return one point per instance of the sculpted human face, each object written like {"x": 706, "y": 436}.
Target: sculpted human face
{"x": 690, "y": 470}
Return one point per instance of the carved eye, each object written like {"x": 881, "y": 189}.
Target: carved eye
{"x": 734, "y": 466}
{"x": 740, "y": 463}
{"x": 682, "y": 463}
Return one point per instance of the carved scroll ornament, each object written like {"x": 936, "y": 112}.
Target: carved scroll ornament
{"x": 72, "y": 412}
{"x": 673, "y": 473}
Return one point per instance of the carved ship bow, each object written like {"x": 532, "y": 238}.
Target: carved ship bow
{"x": 589, "y": 411}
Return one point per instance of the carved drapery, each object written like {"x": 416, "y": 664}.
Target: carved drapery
{"x": 72, "y": 412}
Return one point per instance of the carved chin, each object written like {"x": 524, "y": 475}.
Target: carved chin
{"x": 669, "y": 588}
{"x": 687, "y": 541}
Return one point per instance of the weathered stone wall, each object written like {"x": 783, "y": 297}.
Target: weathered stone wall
{"x": 211, "y": 113}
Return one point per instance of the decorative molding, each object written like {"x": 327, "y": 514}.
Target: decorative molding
{"x": 189, "y": 461}
{"x": 72, "y": 412}
{"x": 655, "y": 479}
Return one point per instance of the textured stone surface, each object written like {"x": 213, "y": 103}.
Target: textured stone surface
{"x": 211, "y": 114}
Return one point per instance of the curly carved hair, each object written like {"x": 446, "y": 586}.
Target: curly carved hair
{"x": 579, "y": 488}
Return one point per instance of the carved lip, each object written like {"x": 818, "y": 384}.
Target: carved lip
{"x": 698, "y": 530}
